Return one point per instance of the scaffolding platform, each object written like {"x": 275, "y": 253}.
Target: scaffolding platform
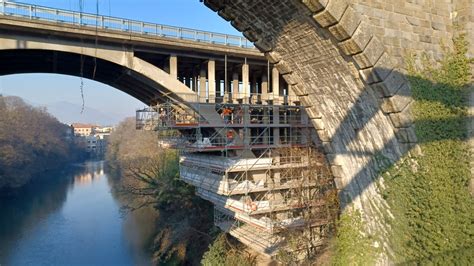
{"x": 259, "y": 164}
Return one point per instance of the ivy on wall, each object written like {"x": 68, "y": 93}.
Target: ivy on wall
{"x": 428, "y": 194}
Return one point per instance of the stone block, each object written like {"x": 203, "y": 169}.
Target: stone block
{"x": 306, "y": 101}
{"x": 331, "y": 157}
{"x": 311, "y": 111}
{"x": 291, "y": 79}
{"x": 327, "y": 147}
{"x": 323, "y": 135}
{"x": 406, "y": 135}
{"x": 263, "y": 45}
{"x": 318, "y": 123}
{"x": 315, "y": 5}
{"x": 250, "y": 35}
{"x": 384, "y": 66}
{"x": 348, "y": 24}
{"x": 300, "y": 89}
{"x": 214, "y": 5}
{"x": 359, "y": 40}
{"x": 337, "y": 171}
{"x": 283, "y": 67}
{"x": 403, "y": 118}
{"x": 392, "y": 83}
{"x": 369, "y": 76}
{"x": 226, "y": 13}
{"x": 331, "y": 14}
{"x": 338, "y": 182}
{"x": 371, "y": 54}
{"x": 425, "y": 38}
{"x": 399, "y": 101}
{"x": 273, "y": 57}
{"x": 240, "y": 25}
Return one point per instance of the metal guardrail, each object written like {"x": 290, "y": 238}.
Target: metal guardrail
{"x": 34, "y": 12}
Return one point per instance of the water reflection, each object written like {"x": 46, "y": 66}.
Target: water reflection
{"x": 71, "y": 218}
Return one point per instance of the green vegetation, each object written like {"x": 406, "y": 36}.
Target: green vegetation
{"x": 150, "y": 177}
{"x": 428, "y": 194}
{"x": 222, "y": 253}
{"x": 351, "y": 247}
{"x": 31, "y": 142}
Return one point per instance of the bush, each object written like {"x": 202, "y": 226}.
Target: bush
{"x": 221, "y": 254}
{"x": 351, "y": 247}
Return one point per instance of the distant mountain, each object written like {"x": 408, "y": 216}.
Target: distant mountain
{"x": 68, "y": 113}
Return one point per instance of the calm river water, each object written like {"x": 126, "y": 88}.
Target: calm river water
{"x": 73, "y": 218}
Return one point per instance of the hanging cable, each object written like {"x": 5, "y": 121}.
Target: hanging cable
{"x": 82, "y": 83}
{"x": 96, "y": 37}
{"x": 81, "y": 72}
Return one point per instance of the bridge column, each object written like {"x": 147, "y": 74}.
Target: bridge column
{"x": 275, "y": 85}
{"x": 195, "y": 79}
{"x": 253, "y": 89}
{"x": 276, "y": 121}
{"x": 187, "y": 81}
{"x": 173, "y": 66}
{"x": 211, "y": 73}
{"x": 264, "y": 89}
{"x": 291, "y": 95}
{"x": 245, "y": 82}
{"x": 235, "y": 87}
{"x": 202, "y": 85}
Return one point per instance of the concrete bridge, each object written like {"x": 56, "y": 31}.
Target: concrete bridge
{"x": 141, "y": 59}
{"x": 343, "y": 59}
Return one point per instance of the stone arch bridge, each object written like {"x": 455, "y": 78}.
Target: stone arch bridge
{"x": 345, "y": 60}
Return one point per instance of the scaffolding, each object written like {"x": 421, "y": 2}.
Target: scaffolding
{"x": 257, "y": 163}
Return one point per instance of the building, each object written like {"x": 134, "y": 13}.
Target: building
{"x": 82, "y": 130}
{"x": 92, "y": 137}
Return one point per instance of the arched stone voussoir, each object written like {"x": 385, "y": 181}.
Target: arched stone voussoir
{"x": 315, "y": 44}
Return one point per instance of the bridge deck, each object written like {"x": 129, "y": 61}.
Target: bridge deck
{"x": 39, "y": 19}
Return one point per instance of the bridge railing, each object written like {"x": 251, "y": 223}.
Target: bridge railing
{"x": 35, "y": 12}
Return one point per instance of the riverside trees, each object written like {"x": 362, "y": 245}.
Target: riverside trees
{"x": 31, "y": 141}
{"x": 150, "y": 177}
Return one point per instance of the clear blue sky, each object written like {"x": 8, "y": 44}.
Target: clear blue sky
{"x": 44, "y": 89}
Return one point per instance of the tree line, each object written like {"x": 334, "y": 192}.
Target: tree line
{"x": 32, "y": 141}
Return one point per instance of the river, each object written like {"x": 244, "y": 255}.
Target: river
{"x": 71, "y": 217}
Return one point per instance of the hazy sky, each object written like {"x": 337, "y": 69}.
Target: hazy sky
{"x": 46, "y": 88}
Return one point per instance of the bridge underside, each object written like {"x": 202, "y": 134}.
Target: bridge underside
{"x": 54, "y": 62}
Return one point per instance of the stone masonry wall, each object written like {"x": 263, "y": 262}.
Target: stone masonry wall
{"x": 410, "y": 26}
{"x": 344, "y": 61}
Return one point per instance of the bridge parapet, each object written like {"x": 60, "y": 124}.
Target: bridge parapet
{"x": 35, "y": 12}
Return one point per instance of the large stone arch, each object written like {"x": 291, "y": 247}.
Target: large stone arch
{"x": 355, "y": 93}
{"x": 118, "y": 68}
